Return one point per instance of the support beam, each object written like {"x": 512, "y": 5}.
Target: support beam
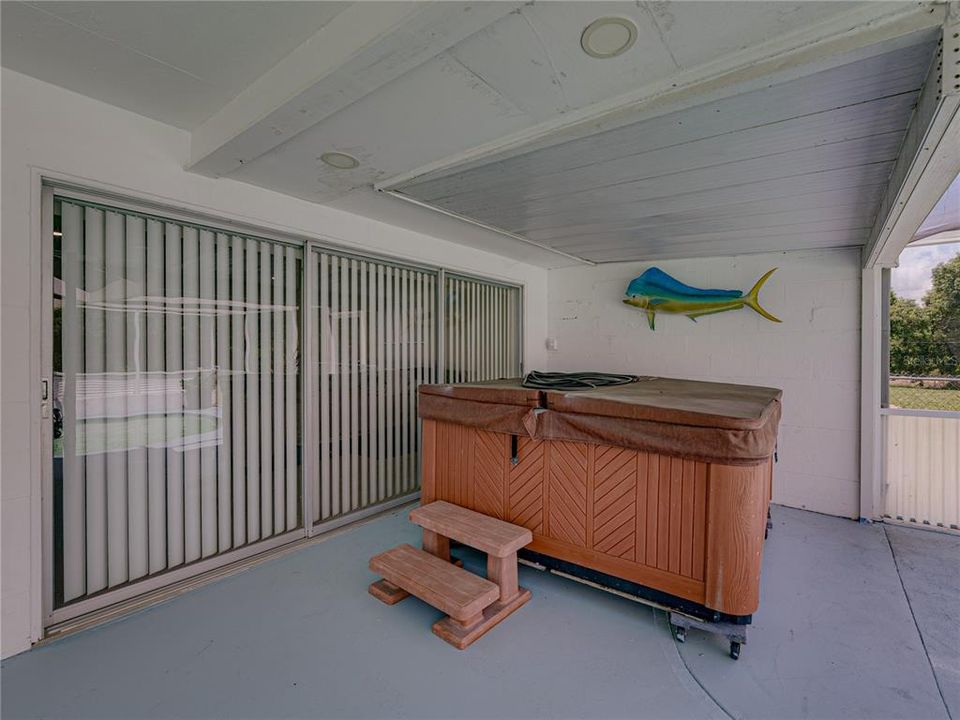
{"x": 929, "y": 158}
{"x": 871, "y": 372}
{"x": 361, "y": 49}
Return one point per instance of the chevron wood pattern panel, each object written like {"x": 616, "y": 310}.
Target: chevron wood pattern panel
{"x": 490, "y": 455}
{"x": 567, "y": 492}
{"x": 525, "y": 486}
{"x": 615, "y": 501}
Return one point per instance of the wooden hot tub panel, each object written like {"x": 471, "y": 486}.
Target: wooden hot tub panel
{"x": 691, "y": 529}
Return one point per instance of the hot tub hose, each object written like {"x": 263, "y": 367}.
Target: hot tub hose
{"x": 575, "y": 381}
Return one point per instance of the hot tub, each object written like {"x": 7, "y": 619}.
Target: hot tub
{"x": 659, "y": 488}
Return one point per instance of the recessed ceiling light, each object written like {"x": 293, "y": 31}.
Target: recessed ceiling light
{"x": 608, "y": 37}
{"x": 339, "y": 160}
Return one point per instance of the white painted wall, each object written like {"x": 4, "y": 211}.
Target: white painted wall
{"x": 67, "y": 134}
{"x": 813, "y": 355}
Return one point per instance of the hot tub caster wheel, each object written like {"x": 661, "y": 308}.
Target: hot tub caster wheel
{"x": 736, "y": 635}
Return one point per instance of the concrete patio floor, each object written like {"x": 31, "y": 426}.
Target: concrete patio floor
{"x": 856, "y": 621}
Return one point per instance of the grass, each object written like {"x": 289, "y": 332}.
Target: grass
{"x": 917, "y": 398}
{"x": 106, "y": 434}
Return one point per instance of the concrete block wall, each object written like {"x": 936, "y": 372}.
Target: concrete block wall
{"x": 813, "y": 355}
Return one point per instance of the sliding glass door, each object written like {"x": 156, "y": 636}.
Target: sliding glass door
{"x": 374, "y": 342}
{"x": 482, "y": 320}
{"x": 182, "y": 434}
{"x": 175, "y": 396}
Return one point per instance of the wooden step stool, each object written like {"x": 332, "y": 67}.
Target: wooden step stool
{"x": 460, "y": 594}
{"x": 442, "y": 522}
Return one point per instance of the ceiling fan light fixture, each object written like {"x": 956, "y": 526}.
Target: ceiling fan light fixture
{"x": 339, "y": 160}
{"x": 608, "y": 37}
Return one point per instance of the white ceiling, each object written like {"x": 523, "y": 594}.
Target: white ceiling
{"x": 470, "y": 105}
{"x": 792, "y": 166}
{"x": 523, "y": 69}
{"x": 177, "y": 62}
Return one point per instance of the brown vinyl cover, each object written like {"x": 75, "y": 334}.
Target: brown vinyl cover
{"x": 712, "y": 422}
{"x": 508, "y": 391}
{"x": 500, "y": 405}
{"x": 673, "y": 400}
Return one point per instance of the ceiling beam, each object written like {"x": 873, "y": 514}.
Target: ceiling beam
{"x": 869, "y": 29}
{"x": 363, "y": 48}
{"x": 929, "y": 158}
{"x": 490, "y": 228}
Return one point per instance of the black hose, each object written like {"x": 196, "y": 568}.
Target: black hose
{"x": 574, "y": 381}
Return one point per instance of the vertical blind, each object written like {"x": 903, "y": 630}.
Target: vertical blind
{"x": 482, "y": 330}
{"x": 177, "y": 393}
{"x": 177, "y": 383}
{"x": 374, "y": 342}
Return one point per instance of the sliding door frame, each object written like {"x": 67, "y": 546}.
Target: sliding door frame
{"x": 46, "y": 401}
{"x": 49, "y": 186}
{"x": 51, "y": 616}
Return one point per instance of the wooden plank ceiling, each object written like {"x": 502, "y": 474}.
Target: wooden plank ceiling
{"x": 792, "y": 166}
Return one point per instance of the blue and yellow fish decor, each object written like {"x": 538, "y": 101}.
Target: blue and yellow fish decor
{"x": 656, "y": 291}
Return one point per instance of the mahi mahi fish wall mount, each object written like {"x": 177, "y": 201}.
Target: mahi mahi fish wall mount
{"x": 656, "y": 291}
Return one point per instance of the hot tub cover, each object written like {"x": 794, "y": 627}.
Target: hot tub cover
{"x": 712, "y": 422}
{"x": 498, "y": 405}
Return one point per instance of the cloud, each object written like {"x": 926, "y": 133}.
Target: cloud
{"x": 914, "y": 276}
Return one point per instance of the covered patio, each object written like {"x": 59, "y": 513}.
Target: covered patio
{"x": 857, "y": 621}
{"x": 275, "y": 273}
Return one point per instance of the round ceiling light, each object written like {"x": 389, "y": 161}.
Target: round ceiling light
{"x": 608, "y": 37}
{"x": 339, "y": 160}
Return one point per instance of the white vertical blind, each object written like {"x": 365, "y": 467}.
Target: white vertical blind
{"x": 206, "y": 386}
{"x": 481, "y": 330}
{"x": 389, "y": 421}
{"x": 191, "y": 382}
{"x": 238, "y": 369}
{"x": 114, "y": 365}
{"x": 173, "y": 393}
{"x": 93, "y": 366}
{"x": 252, "y": 377}
{"x": 138, "y": 522}
{"x": 180, "y": 393}
{"x": 322, "y": 336}
{"x": 371, "y": 319}
{"x": 354, "y": 371}
{"x": 379, "y": 363}
{"x": 178, "y": 386}
{"x": 291, "y": 357}
{"x": 224, "y": 394}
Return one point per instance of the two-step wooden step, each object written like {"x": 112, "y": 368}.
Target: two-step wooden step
{"x": 473, "y": 604}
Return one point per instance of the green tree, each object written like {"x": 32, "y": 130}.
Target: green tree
{"x": 909, "y": 337}
{"x": 942, "y": 307}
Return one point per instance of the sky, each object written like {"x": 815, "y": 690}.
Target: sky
{"x": 914, "y": 275}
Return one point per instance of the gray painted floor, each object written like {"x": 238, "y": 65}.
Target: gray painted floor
{"x": 300, "y": 637}
{"x": 935, "y": 605}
